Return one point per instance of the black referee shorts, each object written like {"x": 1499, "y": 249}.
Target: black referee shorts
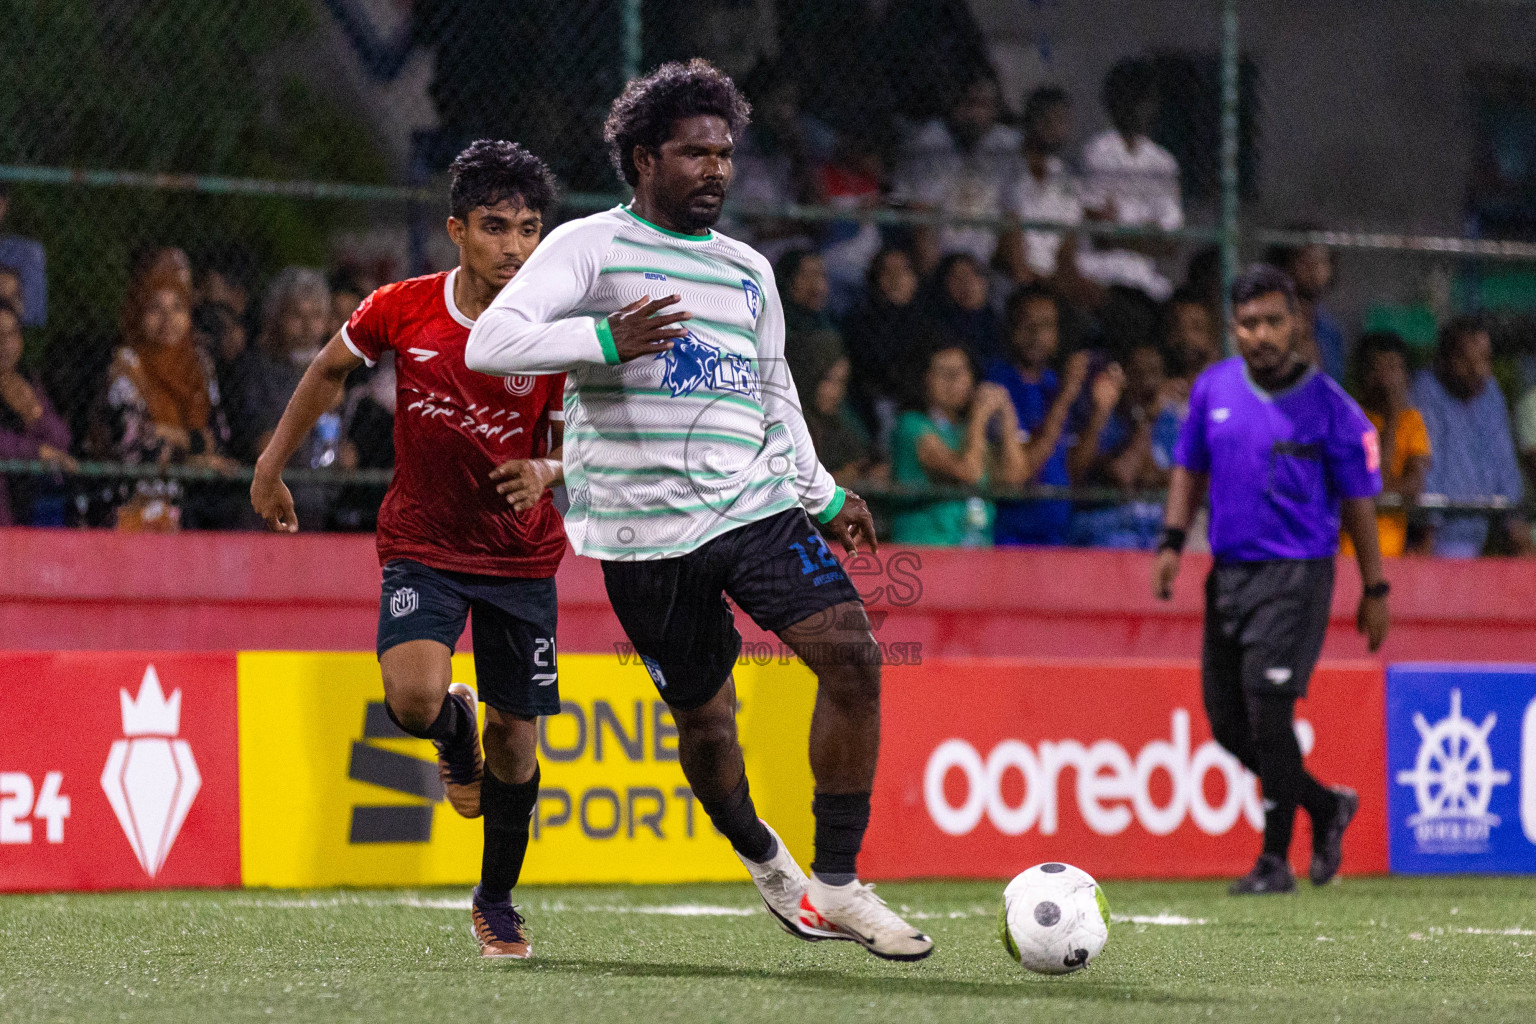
{"x": 779, "y": 570}
{"x": 1264, "y": 625}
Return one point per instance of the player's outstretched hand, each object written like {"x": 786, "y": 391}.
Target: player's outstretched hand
{"x": 524, "y": 481}
{"x": 272, "y": 501}
{"x": 1371, "y": 621}
{"x": 853, "y": 524}
{"x": 640, "y": 328}
{"x": 1164, "y": 571}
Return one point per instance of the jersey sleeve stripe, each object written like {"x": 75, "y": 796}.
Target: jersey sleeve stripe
{"x": 346, "y": 339}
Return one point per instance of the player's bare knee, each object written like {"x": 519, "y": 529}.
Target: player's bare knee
{"x": 414, "y": 707}
{"x": 706, "y": 733}
{"x": 851, "y": 678}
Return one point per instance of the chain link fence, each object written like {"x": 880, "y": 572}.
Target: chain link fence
{"x": 1127, "y": 158}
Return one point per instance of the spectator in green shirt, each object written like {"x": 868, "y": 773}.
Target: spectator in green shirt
{"x": 954, "y": 432}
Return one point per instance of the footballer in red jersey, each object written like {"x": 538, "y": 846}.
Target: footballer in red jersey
{"x": 467, "y": 523}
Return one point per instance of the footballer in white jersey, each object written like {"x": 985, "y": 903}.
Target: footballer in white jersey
{"x": 692, "y": 476}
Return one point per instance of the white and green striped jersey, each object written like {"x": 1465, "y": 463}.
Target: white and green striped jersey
{"x": 665, "y": 452}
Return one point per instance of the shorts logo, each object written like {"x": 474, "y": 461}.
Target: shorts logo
{"x": 655, "y": 670}
{"x": 1278, "y": 676}
{"x": 1220, "y": 415}
{"x": 402, "y": 602}
{"x": 519, "y": 385}
{"x": 754, "y": 296}
{"x": 651, "y": 275}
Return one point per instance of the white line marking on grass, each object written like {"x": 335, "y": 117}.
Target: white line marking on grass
{"x": 462, "y": 903}
{"x": 1169, "y": 920}
{"x": 1496, "y": 931}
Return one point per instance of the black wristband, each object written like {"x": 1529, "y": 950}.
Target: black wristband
{"x": 1378, "y": 590}
{"x": 1173, "y": 540}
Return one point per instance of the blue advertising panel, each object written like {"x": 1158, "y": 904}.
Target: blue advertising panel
{"x": 1461, "y": 768}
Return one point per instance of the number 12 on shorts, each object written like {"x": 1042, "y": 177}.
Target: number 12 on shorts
{"x": 825, "y": 559}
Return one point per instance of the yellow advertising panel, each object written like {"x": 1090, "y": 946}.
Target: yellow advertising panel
{"x": 331, "y": 794}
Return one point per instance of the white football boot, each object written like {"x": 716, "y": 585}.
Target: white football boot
{"x": 854, "y": 913}
{"x": 782, "y": 885}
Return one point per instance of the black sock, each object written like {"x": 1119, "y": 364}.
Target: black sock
{"x": 735, "y": 817}
{"x": 1279, "y": 818}
{"x": 450, "y": 725}
{"x": 507, "y": 809}
{"x": 1321, "y": 803}
{"x": 1281, "y": 772}
{"x": 841, "y": 819}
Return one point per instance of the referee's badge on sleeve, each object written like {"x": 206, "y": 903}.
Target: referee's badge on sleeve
{"x": 1371, "y": 441}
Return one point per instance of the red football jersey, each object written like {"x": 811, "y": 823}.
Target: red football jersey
{"x": 452, "y": 427}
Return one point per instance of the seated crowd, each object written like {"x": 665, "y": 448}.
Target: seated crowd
{"x": 938, "y": 367}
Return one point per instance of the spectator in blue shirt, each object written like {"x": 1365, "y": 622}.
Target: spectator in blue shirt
{"x": 1043, "y": 403}
{"x": 1134, "y": 453}
{"x": 26, "y": 258}
{"x": 1469, "y": 433}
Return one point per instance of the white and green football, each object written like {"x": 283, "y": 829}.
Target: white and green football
{"x": 1055, "y": 918}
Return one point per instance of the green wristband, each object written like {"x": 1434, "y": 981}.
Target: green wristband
{"x": 834, "y": 506}
{"x": 605, "y": 340}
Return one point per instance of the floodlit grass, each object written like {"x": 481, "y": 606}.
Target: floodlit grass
{"x": 1457, "y": 949}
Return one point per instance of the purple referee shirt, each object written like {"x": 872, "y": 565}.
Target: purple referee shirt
{"x": 1280, "y": 463}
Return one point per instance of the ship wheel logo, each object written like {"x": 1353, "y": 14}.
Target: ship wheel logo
{"x": 1453, "y": 779}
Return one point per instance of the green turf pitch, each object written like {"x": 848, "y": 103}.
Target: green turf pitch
{"x": 1367, "y": 950}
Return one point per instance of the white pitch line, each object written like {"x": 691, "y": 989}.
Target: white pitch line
{"x": 683, "y": 910}
{"x": 1496, "y": 931}
{"x": 668, "y": 910}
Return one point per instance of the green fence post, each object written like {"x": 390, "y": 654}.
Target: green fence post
{"x": 1230, "y": 240}
{"x": 631, "y": 39}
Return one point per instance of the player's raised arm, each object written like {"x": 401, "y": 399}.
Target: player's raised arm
{"x": 318, "y": 392}
{"x": 533, "y": 326}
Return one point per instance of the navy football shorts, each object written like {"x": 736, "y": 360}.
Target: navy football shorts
{"x": 513, "y": 622}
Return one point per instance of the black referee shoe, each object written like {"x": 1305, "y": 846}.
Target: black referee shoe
{"x": 1328, "y": 851}
{"x": 1269, "y": 875}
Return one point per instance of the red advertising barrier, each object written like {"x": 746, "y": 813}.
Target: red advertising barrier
{"x": 101, "y": 590}
{"x": 125, "y": 775}
{"x": 990, "y": 765}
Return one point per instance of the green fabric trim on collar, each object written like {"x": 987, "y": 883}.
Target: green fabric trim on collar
{"x": 707, "y": 236}
{"x": 835, "y": 506}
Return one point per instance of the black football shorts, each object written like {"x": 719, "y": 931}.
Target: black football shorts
{"x": 1265, "y": 623}
{"x": 779, "y": 570}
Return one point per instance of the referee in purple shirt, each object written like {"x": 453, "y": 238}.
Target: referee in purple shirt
{"x": 1285, "y": 453}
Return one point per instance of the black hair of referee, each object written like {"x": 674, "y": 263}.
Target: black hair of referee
{"x": 1280, "y": 620}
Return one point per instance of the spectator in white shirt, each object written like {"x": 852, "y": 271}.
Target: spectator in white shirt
{"x": 1046, "y": 191}
{"x": 1131, "y": 180}
{"x": 960, "y": 164}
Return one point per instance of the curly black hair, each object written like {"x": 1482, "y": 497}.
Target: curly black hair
{"x": 644, "y": 113}
{"x": 491, "y": 171}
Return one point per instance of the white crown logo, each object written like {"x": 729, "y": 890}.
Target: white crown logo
{"x": 150, "y": 714}
{"x": 151, "y": 777}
